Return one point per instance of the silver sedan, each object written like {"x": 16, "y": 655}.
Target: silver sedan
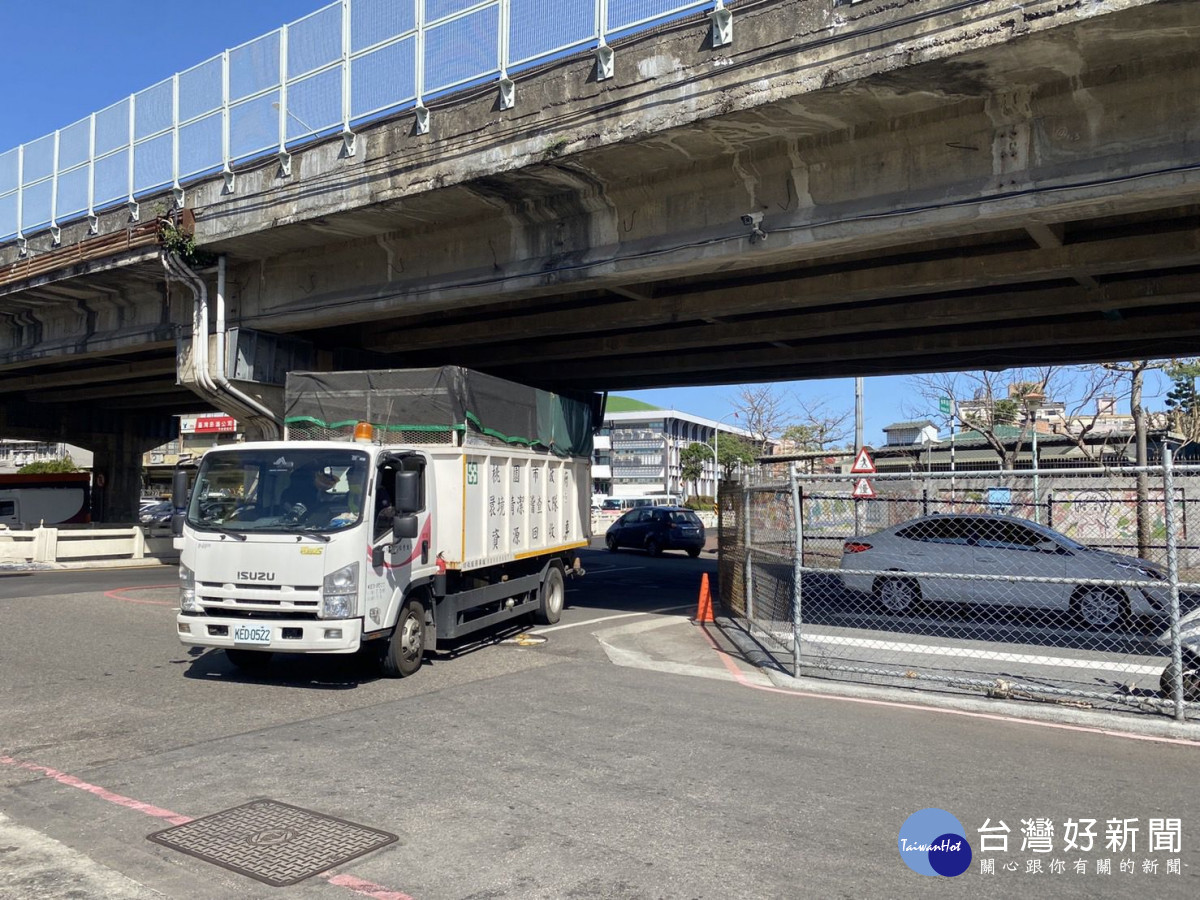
{"x": 1000, "y": 561}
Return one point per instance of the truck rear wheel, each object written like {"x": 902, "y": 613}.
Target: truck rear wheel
{"x": 553, "y": 594}
{"x": 406, "y": 648}
{"x": 249, "y": 660}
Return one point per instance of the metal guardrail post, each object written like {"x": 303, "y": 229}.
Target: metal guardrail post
{"x": 421, "y": 126}
{"x": 1173, "y": 576}
{"x": 226, "y": 125}
{"x": 348, "y": 139}
{"x": 797, "y": 568}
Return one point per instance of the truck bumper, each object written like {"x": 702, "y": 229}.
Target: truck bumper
{"x": 287, "y": 636}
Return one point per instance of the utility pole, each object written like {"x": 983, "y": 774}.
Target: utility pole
{"x": 858, "y": 414}
{"x": 858, "y": 445}
{"x": 1137, "y": 369}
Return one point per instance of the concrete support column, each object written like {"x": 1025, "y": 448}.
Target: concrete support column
{"x": 117, "y": 474}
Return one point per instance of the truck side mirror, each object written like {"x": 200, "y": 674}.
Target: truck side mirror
{"x": 179, "y": 488}
{"x": 179, "y": 500}
{"x": 404, "y": 527}
{"x": 408, "y": 492}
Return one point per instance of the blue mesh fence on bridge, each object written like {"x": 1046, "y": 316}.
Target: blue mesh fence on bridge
{"x": 347, "y": 63}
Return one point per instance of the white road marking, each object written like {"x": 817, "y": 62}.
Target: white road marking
{"x": 648, "y": 612}
{"x": 970, "y": 654}
{"x": 636, "y": 659}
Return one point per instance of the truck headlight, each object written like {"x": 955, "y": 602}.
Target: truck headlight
{"x": 339, "y": 594}
{"x": 187, "y": 590}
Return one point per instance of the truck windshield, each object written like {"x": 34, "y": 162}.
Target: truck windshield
{"x": 274, "y": 490}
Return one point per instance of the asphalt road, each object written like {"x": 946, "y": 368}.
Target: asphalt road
{"x": 631, "y": 754}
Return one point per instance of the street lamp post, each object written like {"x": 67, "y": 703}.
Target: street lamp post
{"x": 716, "y": 456}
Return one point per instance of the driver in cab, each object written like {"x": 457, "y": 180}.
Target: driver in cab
{"x": 310, "y": 497}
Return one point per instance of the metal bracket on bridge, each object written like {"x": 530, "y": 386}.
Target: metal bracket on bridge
{"x": 55, "y": 234}
{"x": 135, "y": 210}
{"x": 508, "y": 93}
{"x": 179, "y": 195}
{"x": 422, "y": 123}
{"x": 604, "y": 62}
{"x": 22, "y": 245}
{"x": 722, "y": 25}
{"x": 230, "y": 180}
{"x": 93, "y": 223}
{"x": 285, "y": 164}
{"x": 349, "y": 142}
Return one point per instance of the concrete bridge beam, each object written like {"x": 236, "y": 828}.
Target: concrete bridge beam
{"x": 963, "y": 172}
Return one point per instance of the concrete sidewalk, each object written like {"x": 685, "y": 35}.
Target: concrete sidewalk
{"x": 36, "y": 867}
{"x": 148, "y": 562}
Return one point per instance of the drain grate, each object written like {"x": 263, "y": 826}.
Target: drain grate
{"x": 273, "y": 842}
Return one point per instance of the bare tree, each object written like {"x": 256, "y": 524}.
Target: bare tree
{"x": 989, "y": 403}
{"x": 1089, "y": 387}
{"x": 762, "y": 410}
{"x": 818, "y": 427}
{"x": 1136, "y": 370}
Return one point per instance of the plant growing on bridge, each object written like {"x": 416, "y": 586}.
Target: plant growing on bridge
{"x": 176, "y": 240}
{"x": 555, "y": 150}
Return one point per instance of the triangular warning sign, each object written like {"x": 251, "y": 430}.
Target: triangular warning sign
{"x": 863, "y": 464}
{"x": 863, "y": 490}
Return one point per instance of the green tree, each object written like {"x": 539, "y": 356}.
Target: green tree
{"x": 49, "y": 466}
{"x": 733, "y": 450}
{"x": 692, "y": 459}
{"x": 1183, "y": 403}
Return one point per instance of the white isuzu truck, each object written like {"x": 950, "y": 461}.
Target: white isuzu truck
{"x": 405, "y": 508}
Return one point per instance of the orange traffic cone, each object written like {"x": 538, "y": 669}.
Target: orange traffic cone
{"x": 704, "y": 609}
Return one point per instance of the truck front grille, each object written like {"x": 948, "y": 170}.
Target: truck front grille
{"x": 225, "y": 612}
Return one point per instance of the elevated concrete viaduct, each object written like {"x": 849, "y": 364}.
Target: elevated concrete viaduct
{"x": 884, "y": 186}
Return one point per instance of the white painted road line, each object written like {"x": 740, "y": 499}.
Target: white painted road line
{"x": 646, "y": 612}
{"x": 971, "y": 654}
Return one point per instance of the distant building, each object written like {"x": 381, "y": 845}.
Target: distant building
{"x": 637, "y": 450}
{"x": 197, "y": 432}
{"x": 910, "y": 433}
{"x": 966, "y": 451}
{"x": 1050, "y": 416}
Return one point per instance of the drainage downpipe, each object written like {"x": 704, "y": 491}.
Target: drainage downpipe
{"x": 221, "y": 392}
{"x": 272, "y": 428}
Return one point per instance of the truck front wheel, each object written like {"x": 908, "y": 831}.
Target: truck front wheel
{"x": 406, "y": 648}
{"x": 553, "y": 593}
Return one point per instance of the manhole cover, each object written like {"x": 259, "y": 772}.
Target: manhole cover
{"x": 273, "y": 842}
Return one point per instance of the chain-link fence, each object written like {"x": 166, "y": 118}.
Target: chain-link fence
{"x": 1078, "y": 588}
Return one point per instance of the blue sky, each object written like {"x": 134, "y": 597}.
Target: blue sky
{"x": 63, "y": 60}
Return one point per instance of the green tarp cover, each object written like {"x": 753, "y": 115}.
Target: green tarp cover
{"x": 446, "y": 398}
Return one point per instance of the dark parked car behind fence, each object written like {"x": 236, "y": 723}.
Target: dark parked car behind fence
{"x": 657, "y": 528}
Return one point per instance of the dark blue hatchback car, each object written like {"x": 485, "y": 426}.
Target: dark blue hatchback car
{"x": 657, "y": 528}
